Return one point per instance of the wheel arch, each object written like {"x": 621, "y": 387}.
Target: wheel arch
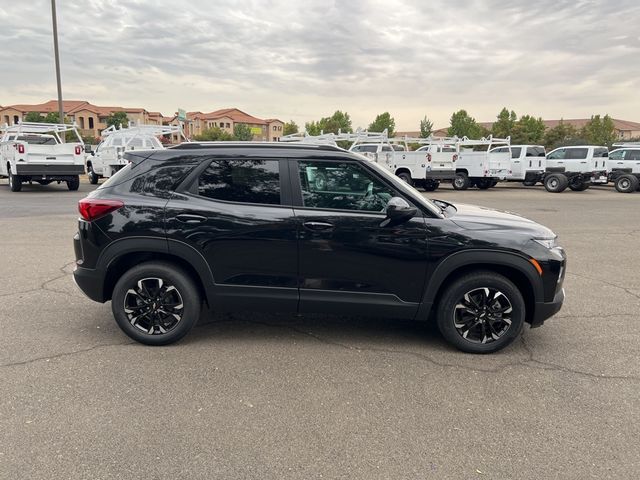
{"x": 514, "y": 267}
{"x": 121, "y": 255}
{"x": 403, "y": 170}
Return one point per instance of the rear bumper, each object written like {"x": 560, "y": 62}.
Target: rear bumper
{"x": 545, "y": 310}
{"x": 44, "y": 170}
{"x": 91, "y": 282}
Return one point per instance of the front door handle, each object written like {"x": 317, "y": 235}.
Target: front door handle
{"x": 318, "y": 225}
{"x": 190, "y": 218}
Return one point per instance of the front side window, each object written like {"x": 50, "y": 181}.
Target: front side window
{"x": 342, "y": 186}
{"x": 618, "y": 155}
{"x": 559, "y": 154}
{"x": 243, "y": 181}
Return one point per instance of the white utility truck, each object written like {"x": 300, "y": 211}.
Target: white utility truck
{"x": 108, "y": 157}
{"x": 36, "y": 152}
{"x": 477, "y": 165}
{"x": 576, "y": 167}
{"x": 623, "y": 166}
{"x": 527, "y": 164}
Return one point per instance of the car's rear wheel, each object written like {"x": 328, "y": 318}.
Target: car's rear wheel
{"x": 15, "y": 181}
{"x": 578, "y": 185}
{"x": 556, "y": 183}
{"x": 484, "y": 183}
{"x": 461, "y": 181}
{"x": 481, "y": 312}
{"x": 405, "y": 177}
{"x": 627, "y": 183}
{"x": 431, "y": 185}
{"x": 74, "y": 183}
{"x": 156, "y": 303}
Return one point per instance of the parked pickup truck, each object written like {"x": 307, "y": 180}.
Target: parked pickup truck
{"x": 576, "y": 167}
{"x": 623, "y": 167}
{"x": 108, "y": 157}
{"x": 527, "y": 163}
{"x": 480, "y": 165}
{"x": 35, "y": 152}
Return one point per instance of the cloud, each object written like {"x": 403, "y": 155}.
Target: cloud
{"x": 303, "y": 60}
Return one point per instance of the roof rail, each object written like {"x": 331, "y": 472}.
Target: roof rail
{"x": 134, "y": 129}
{"x": 626, "y": 144}
{"x": 41, "y": 128}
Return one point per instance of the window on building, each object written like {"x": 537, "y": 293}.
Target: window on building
{"x": 228, "y": 125}
{"x": 91, "y": 126}
{"x": 6, "y": 119}
{"x": 16, "y": 119}
{"x": 244, "y": 181}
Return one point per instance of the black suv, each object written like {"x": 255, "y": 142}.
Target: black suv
{"x": 305, "y": 228}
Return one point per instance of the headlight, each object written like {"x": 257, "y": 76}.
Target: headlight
{"x": 546, "y": 242}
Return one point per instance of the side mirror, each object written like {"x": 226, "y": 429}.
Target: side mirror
{"x": 398, "y": 211}
{"x": 88, "y": 149}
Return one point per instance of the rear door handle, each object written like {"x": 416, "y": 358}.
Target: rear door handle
{"x": 190, "y": 218}
{"x": 318, "y": 225}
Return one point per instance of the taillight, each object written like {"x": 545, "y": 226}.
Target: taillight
{"x": 455, "y": 157}
{"x": 93, "y": 208}
{"x": 20, "y": 148}
{"x": 78, "y": 150}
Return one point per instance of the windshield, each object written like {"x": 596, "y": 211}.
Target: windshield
{"x": 406, "y": 188}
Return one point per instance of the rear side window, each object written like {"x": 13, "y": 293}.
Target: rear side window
{"x": 535, "y": 152}
{"x": 242, "y": 181}
{"x": 576, "y": 153}
{"x": 368, "y": 148}
{"x": 600, "y": 152}
{"x": 515, "y": 152}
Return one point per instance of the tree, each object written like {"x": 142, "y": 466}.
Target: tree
{"x": 33, "y": 117}
{"x": 426, "y": 127}
{"x": 338, "y": 121}
{"x": 215, "y": 134}
{"x": 290, "y": 128}
{"x": 560, "y": 135}
{"x": 242, "y": 132}
{"x": 117, "y": 119}
{"x": 505, "y": 124}
{"x": 52, "y": 117}
{"x": 384, "y": 121}
{"x": 599, "y": 131}
{"x": 462, "y": 125}
{"x": 528, "y": 130}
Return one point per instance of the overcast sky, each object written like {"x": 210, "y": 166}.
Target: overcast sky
{"x": 304, "y": 59}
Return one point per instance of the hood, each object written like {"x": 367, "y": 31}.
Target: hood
{"x": 473, "y": 217}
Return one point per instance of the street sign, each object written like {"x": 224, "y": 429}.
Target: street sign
{"x": 182, "y": 115}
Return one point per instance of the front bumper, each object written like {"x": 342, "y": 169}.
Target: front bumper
{"x": 545, "y": 310}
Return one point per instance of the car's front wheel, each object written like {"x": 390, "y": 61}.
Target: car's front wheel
{"x": 481, "y": 312}
{"x": 156, "y": 303}
{"x": 15, "y": 182}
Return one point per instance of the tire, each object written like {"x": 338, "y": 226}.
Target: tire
{"x": 484, "y": 183}
{"x": 459, "y": 323}
{"x": 93, "y": 176}
{"x": 556, "y": 183}
{"x": 431, "y": 185}
{"x": 74, "y": 184}
{"x": 578, "y": 186}
{"x": 494, "y": 183}
{"x": 142, "y": 281}
{"x": 15, "y": 181}
{"x": 406, "y": 178}
{"x": 461, "y": 181}
{"x": 627, "y": 183}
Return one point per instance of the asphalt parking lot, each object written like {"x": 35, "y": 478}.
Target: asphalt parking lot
{"x": 277, "y": 396}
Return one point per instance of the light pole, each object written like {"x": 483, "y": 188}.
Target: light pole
{"x": 57, "y": 57}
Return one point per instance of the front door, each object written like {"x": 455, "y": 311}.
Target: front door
{"x": 234, "y": 216}
{"x": 350, "y": 260}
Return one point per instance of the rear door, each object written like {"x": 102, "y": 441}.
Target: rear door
{"x": 235, "y": 214}
{"x": 350, "y": 261}
{"x": 517, "y": 168}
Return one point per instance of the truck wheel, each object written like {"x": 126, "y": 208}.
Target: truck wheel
{"x": 484, "y": 183}
{"x": 556, "y": 183}
{"x": 15, "y": 182}
{"x": 74, "y": 184}
{"x": 494, "y": 183}
{"x": 461, "y": 181}
{"x": 405, "y": 177}
{"x": 578, "y": 185}
{"x": 481, "y": 312}
{"x": 93, "y": 176}
{"x": 431, "y": 185}
{"x": 627, "y": 183}
{"x": 156, "y": 303}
